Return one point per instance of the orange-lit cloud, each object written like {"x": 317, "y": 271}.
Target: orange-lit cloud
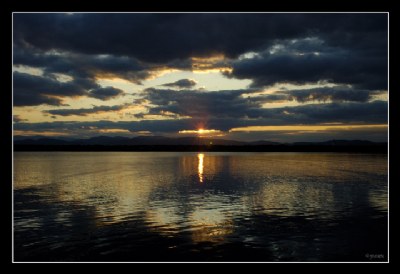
{"x": 113, "y": 130}
{"x": 34, "y": 133}
{"x": 215, "y": 63}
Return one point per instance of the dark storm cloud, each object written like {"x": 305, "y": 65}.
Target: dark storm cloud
{"x": 30, "y": 90}
{"x": 46, "y": 85}
{"x": 85, "y": 111}
{"x": 120, "y": 66}
{"x": 159, "y": 38}
{"x": 106, "y": 93}
{"x": 357, "y": 113}
{"x": 26, "y": 98}
{"x": 273, "y": 98}
{"x": 79, "y": 65}
{"x": 292, "y": 48}
{"x": 334, "y": 94}
{"x": 349, "y": 112}
{"x": 183, "y": 83}
{"x": 81, "y": 68}
{"x": 230, "y": 104}
{"x": 341, "y": 66}
{"x": 149, "y": 37}
{"x": 223, "y": 103}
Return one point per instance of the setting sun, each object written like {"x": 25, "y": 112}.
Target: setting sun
{"x": 200, "y": 131}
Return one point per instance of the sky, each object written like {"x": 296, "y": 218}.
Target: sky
{"x": 243, "y": 76}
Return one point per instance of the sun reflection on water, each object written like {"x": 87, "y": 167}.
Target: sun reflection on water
{"x": 200, "y": 168}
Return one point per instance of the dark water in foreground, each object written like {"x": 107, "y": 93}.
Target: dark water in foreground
{"x": 133, "y": 206}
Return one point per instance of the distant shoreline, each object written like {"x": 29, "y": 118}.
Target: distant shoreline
{"x": 381, "y": 149}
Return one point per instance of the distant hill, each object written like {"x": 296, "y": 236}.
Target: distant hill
{"x": 135, "y": 141}
{"x": 182, "y": 141}
{"x": 150, "y": 140}
{"x": 41, "y": 141}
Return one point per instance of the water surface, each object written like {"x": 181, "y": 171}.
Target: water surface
{"x": 174, "y": 206}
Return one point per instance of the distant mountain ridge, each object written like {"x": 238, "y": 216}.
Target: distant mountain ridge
{"x": 181, "y": 141}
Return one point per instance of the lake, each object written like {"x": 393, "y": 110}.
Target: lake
{"x": 174, "y": 206}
